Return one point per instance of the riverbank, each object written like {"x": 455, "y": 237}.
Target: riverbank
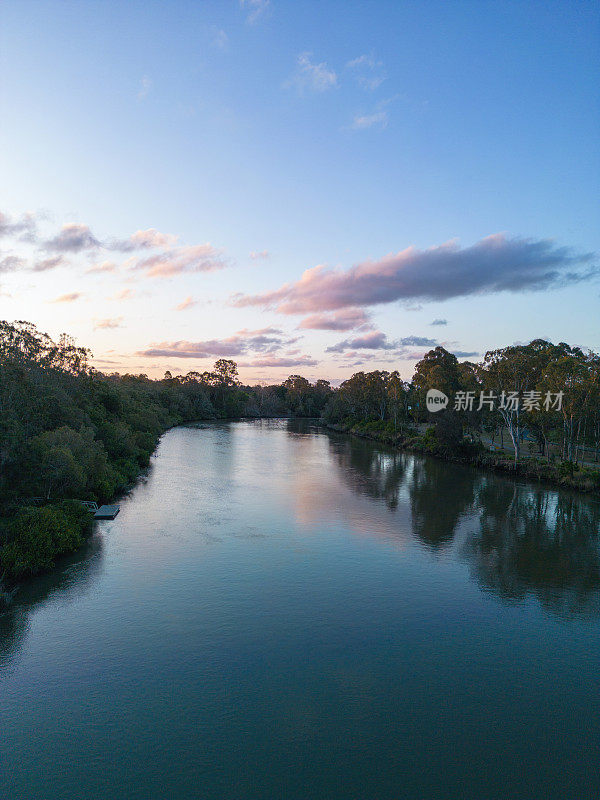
{"x": 563, "y": 475}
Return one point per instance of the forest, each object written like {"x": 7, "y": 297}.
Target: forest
{"x": 69, "y": 432}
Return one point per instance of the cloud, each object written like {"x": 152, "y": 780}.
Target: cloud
{"x": 361, "y": 123}
{"x": 73, "y": 238}
{"x": 377, "y": 118}
{"x": 256, "y": 9}
{"x": 10, "y": 263}
{"x": 78, "y": 239}
{"x": 417, "y": 341}
{"x": 50, "y": 263}
{"x": 108, "y": 323}
{"x": 464, "y": 353}
{"x": 366, "y": 68}
{"x": 25, "y": 227}
{"x": 193, "y": 258}
{"x": 274, "y": 361}
{"x": 494, "y": 264}
{"x": 260, "y": 254}
{"x": 143, "y": 240}
{"x": 377, "y": 340}
{"x": 311, "y": 76}
{"x": 346, "y": 319}
{"x": 439, "y": 322}
{"x": 145, "y": 88}
{"x": 363, "y": 61}
{"x": 103, "y": 266}
{"x": 220, "y": 38}
{"x": 71, "y": 297}
{"x": 189, "y": 302}
{"x": 264, "y": 340}
{"x": 124, "y": 294}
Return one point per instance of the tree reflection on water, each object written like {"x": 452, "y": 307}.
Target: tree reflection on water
{"x": 520, "y": 540}
{"x": 72, "y": 577}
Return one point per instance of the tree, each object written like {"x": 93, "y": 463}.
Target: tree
{"x": 226, "y": 372}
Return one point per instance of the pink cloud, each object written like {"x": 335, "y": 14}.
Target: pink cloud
{"x": 104, "y": 266}
{"x": 143, "y": 240}
{"x": 152, "y": 238}
{"x": 124, "y": 294}
{"x": 493, "y": 264}
{"x": 71, "y": 297}
{"x": 105, "y": 324}
{"x": 189, "y": 302}
{"x": 193, "y": 258}
{"x": 274, "y": 361}
{"x": 264, "y": 340}
{"x": 346, "y": 319}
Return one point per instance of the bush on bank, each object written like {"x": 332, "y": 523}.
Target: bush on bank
{"x": 36, "y": 537}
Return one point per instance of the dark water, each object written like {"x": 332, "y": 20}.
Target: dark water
{"x": 281, "y": 613}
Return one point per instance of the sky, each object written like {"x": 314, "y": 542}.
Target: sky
{"x": 310, "y": 188}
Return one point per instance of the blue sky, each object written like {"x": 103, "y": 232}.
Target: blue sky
{"x": 305, "y": 133}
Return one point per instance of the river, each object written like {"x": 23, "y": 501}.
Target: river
{"x": 282, "y": 612}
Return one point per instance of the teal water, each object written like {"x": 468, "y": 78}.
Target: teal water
{"x": 278, "y": 612}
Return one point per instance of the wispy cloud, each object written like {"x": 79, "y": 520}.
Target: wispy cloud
{"x": 346, "y": 319}
{"x": 143, "y": 240}
{"x": 312, "y": 76}
{"x": 439, "y": 322}
{"x": 124, "y": 294}
{"x": 193, "y": 258}
{"x": 11, "y": 263}
{"x": 264, "y": 340}
{"x": 368, "y": 72}
{"x": 71, "y": 297}
{"x": 464, "y": 353}
{"x": 283, "y": 362}
{"x": 145, "y": 88}
{"x": 220, "y": 38}
{"x": 377, "y": 340}
{"x": 44, "y": 264}
{"x": 364, "y": 121}
{"x": 106, "y": 324}
{"x": 494, "y": 264}
{"x": 102, "y": 266}
{"x": 189, "y": 302}
{"x": 25, "y": 227}
{"x": 257, "y": 255}
{"x": 379, "y": 117}
{"x": 255, "y": 8}
{"x": 75, "y": 239}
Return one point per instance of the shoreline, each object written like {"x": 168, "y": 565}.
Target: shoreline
{"x": 584, "y": 481}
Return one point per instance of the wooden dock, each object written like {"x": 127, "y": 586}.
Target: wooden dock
{"x": 106, "y": 512}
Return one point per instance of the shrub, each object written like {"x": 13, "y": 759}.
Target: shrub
{"x": 38, "y": 535}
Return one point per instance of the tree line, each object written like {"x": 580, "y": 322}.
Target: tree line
{"x": 548, "y": 393}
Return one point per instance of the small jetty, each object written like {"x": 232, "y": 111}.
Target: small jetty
{"x": 106, "y": 512}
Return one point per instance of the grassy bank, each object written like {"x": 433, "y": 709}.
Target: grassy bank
{"x": 560, "y": 474}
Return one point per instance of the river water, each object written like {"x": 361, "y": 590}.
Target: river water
{"x": 280, "y": 612}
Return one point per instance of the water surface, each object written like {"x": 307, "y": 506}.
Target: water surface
{"x": 278, "y": 612}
